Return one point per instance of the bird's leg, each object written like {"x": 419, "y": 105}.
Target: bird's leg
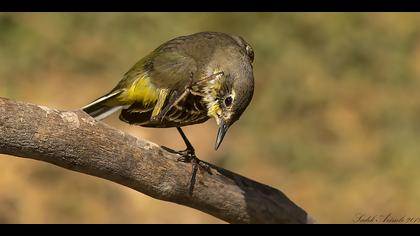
{"x": 188, "y": 155}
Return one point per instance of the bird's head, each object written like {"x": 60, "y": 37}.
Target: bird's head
{"x": 232, "y": 91}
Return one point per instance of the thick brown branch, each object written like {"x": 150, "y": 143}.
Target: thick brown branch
{"x": 75, "y": 141}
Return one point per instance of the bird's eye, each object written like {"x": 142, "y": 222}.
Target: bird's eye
{"x": 250, "y": 52}
{"x": 228, "y": 101}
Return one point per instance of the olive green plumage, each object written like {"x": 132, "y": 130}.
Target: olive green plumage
{"x": 185, "y": 81}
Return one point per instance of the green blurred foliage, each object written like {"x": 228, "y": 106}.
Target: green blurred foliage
{"x": 334, "y": 122}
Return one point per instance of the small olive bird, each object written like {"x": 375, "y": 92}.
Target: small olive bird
{"x": 185, "y": 81}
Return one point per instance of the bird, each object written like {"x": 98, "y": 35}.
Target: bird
{"x": 185, "y": 81}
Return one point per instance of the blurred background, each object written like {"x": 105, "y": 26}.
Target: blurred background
{"x": 334, "y": 123}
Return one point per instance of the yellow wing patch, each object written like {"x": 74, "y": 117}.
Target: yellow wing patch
{"x": 162, "y": 97}
{"x": 140, "y": 91}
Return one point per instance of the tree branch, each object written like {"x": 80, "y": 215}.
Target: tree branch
{"x": 75, "y": 141}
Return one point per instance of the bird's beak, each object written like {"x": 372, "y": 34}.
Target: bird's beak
{"x": 223, "y": 127}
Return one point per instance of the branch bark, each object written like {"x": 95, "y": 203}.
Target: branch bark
{"x": 75, "y": 141}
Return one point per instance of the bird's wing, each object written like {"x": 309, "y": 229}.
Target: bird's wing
{"x": 172, "y": 70}
{"x": 160, "y": 75}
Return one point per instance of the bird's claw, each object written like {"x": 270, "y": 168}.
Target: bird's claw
{"x": 189, "y": 156}
{"x": 186, "y": 155}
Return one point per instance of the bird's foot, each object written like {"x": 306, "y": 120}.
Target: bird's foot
{"x": 188, "y": 156}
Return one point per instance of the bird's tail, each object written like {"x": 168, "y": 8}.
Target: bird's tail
{"x": 101, "y": 108}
